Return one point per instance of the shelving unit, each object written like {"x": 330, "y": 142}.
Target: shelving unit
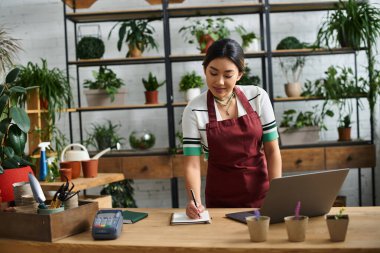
{"x": 264, "y": 9}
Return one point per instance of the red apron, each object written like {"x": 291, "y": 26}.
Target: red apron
{"x": 237, "y": 172}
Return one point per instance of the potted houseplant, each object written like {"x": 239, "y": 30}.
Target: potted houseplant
{"x": 250, "y": 41}
{"x": 258, "y": 227}
{"x": 121, "y": 192}
{"x": 294, "y": 65}
{"x": 14, "y": 127}
{"x": 103, "y": 136}
{"x": 54, "y": 93}
{"x": 355, "y": 24}
{"x": 90, "y": 47}
{"x": 248, "y": 79}
{"x": 206, "y": 31}
{"x": 9, "y": 46}
{"x": 301, "y": 128}
{"x": 191, "y": 84}
{"x": 106, "y": 90}
{"x": 296, "y": 225}
{"x": 151, "y": 89}
{"x": 337, "y": 225}
{"x": 138, "y": 34}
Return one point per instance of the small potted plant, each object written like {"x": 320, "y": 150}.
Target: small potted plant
{"x": 250, "y": 41}
{"x": 248, "y": 79}
{"x": 103, "y": 136}
{"x": 206, "y": 31}
{"x": 90, "y": 47}
{"x": 301, "y": 128}
{"x": 106, "y": 90}
{"x": 337, "y": 225}
{"x": 294, "y": 65}
{"x": 344, "y": 129}
{"x": 296, "y": 225}
{"x": 138, "y": 34}
{"x": 151, "y": 89}
{"x": 191, "y": 84}
{"x": 258, "y": 227}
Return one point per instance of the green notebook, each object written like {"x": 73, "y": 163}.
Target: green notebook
{"x": 130, "y": 217}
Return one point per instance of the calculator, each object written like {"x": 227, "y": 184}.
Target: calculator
{"x": 107, "y": 224}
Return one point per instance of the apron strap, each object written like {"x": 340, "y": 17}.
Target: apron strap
{"x": 243, "y": 99}
{"x": 211, "y": 107}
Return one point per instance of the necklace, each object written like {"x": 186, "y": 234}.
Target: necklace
{"x": 227, "y": 104}
{"x": 220, "y": 101}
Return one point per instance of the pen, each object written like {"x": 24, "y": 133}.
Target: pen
{"x": 195, "y": 202}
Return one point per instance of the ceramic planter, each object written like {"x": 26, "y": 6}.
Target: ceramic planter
{"x": 296, "y": 228}
{"x": 75, "y": 167}
{"x": 304, "y": 135}
{"x": 254, "y": 46}
{"x": 65, "y": 174}
{"x": 90, "y": 168}
{"x": 258, "y": 228}
{"x": 134, "y": 51}
{"x": 293, "y": 89}
{"x": 337, "y": 227}
{"x": 151, "y": 97}
{"x": 11, "y": 176}
{"x": 101, "y": 98}
{"x": 80, "y": 4}
{"x": 344, "y": 133}
{"x": 192, "y": 93}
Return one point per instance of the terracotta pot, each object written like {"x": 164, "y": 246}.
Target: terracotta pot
{"x": 293, "y": 89}
{"x": 151, "y": 97}
{"x": 205, "y": 39}
{"x": 296, "y": 228}
{"x": 75, "y": 167}
{"x": 344, "y": 133}
{"x": 11, "y": 176}
{"x": 65, "y": 173}
{"x": 44, "y": 104}
{"x": 90, "y": 168}
{"x": 134, "y": 51}
{"x": 80, "y": 4}
{"x": 337, "y": 227}
{"x": 258, "y": 228}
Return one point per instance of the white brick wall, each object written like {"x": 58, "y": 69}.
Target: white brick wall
{"x": 39, "y": 25}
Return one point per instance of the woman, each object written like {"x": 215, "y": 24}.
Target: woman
{"x": 230, "y": 124}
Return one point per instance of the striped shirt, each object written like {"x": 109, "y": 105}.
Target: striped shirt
{"x": 195, "y": 118}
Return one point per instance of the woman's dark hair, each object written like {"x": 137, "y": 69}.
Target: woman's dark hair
{"x": 225, "y": 48}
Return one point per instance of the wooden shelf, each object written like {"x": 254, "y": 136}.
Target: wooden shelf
{"x": 118, "y": 61}
{"x": 124, "y": 107}
{"x": 133, "y": 152}
{"x": 85, "y": 183}
{"x": 329, "y": 144}
{"x": 214, "y": 10}
{"x": 109, "y": 16}
{"x": 34, "y": 111}
{"x": 297, "y": 99}
{"x": 303, "y": 6}
{"x": 179, "y": 104}
{"x": 311, "y": 52}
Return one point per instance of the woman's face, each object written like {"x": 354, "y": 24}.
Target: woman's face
{"x": 221, "y": 77}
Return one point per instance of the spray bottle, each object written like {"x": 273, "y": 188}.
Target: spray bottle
{"x": 43, "y": 161}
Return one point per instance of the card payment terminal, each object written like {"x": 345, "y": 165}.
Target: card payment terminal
{"x": 107, "y": 224}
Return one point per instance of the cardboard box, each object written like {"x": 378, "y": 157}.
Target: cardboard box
{"x": 47, "y": 228}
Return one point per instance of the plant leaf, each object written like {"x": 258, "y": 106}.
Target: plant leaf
{"x": 20, "y": 118}
{"x": 12, "y": 75}
{"x": 16, "y": 139}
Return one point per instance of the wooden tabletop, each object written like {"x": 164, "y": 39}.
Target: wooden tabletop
{"x": 82, "y": 183}
{"x": 154, "y": 234}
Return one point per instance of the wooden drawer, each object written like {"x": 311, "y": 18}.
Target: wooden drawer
{"x": 147, "y": 167}
{"x": 303, "y": 159}
{"x": 110, "y": 164}
{"x": 361, "y": 156}
{"x": 178, "y": 168}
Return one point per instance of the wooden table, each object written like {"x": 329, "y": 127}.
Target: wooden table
{"x": 82, "y": 183}
{"x": 154, "y": 234}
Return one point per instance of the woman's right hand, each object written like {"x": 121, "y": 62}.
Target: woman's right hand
{"x": 192, "y": 211}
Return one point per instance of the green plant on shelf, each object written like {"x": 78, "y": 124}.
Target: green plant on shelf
{"x": 190, "y": 80}
{"x": 137, "y": 34}
{"x": 292, "y": 120}
{"x": 151, "y": 84}
{"x": 246, "y": 37}
{"x": 105, "y": 79}
{"x": 90, "y": 47}
{"x": 121, "y": 192}
{"x": 9, "y": 46}
{"x": 103, "y": 136}
{"x": 248, "y": 79}
{"x": 206, "y": 31}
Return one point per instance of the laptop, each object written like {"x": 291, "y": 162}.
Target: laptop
{"x": 317, "y": 192}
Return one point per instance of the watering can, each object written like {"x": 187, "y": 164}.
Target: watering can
{"x": 82, "y": 155}
{"x": 74, "y": 155}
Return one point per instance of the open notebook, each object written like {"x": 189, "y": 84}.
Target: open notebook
{"x": 182, "y": 219}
